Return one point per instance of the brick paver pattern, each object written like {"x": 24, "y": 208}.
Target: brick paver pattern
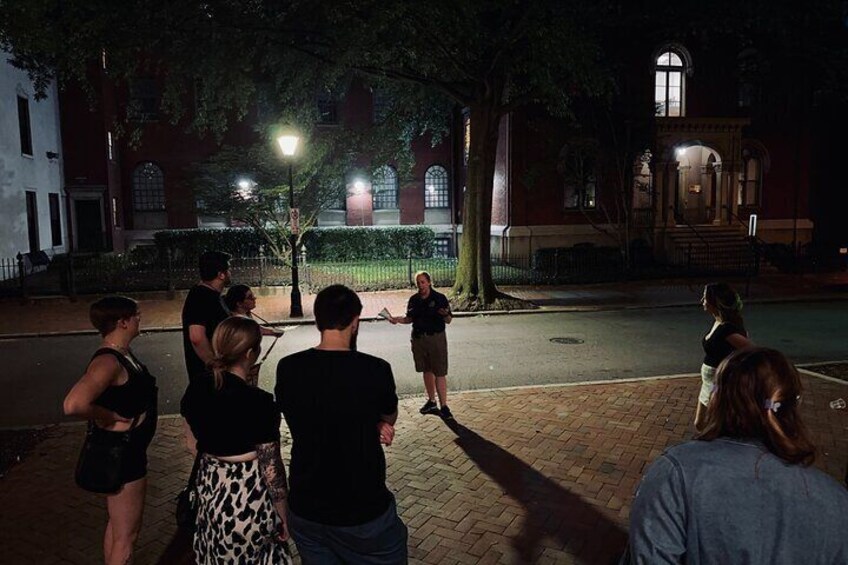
{"x": 543, "y": 475}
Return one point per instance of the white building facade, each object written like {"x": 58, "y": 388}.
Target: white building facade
{"x": 32, "y": 201}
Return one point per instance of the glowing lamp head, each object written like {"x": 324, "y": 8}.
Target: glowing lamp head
{"x": 288, "y": 144}
{"x": 358, "y": 186}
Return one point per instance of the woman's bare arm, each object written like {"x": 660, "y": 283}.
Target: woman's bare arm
{"x": 103, "y": 372}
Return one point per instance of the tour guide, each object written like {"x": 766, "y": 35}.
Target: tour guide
{"x": 428, "y": 312}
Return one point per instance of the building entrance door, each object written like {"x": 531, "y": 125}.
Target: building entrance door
{"x": 695, "y": 201}
{"x": 89, "y": 224}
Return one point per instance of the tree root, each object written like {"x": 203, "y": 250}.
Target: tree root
{"x": 475, "y": 303}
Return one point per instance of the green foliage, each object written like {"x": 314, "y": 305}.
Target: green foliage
{"x": 324, "y": 244}
{"x": 369, "y": 243}
{"x": 188, "y": 244}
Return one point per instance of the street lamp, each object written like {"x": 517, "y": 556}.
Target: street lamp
{"x": 288, "y": 144}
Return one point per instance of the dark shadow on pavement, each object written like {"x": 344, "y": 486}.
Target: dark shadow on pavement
{"x": 179, "y": 551}
{"x": 552, "y": 511}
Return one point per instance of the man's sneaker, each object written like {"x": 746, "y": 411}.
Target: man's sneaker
{"x": 429, "y": 407}
{"x": 446, "y": 413}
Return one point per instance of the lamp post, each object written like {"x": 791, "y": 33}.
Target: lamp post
{"x": 288, "y": 144}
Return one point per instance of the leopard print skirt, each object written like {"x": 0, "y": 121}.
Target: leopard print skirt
{"x": 236, "y": 520}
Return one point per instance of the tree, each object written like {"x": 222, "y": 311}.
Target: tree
{"x": 489, "y": 57}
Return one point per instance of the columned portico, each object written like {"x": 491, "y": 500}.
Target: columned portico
{"x": 695, "y": 174}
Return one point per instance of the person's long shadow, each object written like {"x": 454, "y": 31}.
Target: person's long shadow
{"x": 551, "y": 511}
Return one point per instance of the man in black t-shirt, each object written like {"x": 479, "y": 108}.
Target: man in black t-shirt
{"x": 428, "y": 312}
{"x": 340, "y": 406}
{"x": 203, "y": 310}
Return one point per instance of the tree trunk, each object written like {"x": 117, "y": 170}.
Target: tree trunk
{"x": 474, "y": 287}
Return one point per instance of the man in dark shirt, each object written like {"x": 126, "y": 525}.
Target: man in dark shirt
{"x": 428, "y": 312}
{"x": 203, "y": 310}
{"x": 340, "y": 405}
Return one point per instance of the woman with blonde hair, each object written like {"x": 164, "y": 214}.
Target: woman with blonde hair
{"x": 726, "y": 335}
{"x": 241, "y": 482}
{"x": 744, "y": 490}
{"x": 117, "y": 395}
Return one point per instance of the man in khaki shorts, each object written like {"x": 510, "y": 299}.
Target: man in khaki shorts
{"x": 428, "y": 311}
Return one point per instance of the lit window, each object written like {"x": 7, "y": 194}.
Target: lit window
{"x": 436, "y": 188}
{"x": 750, "y": 182}
{"x": 148, "y": 188}
{"x": 669, "y": 84}
{"x": 580, "y": 196}
{"x": 385, "y": 188}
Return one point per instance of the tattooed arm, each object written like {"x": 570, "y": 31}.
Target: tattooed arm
{"x": 274, "y": 473}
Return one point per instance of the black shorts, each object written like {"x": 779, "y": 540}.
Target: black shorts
{"x": 135, "y": 462}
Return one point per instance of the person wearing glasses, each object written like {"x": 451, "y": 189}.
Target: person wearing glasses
{"x": 241, "y": 301}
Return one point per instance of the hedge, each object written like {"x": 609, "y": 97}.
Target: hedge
{"x": 369, "y": 243}
{"x": 322, "y": 244}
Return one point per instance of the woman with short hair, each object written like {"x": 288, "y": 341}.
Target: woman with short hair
{"x": 241, "y": 481}
{"x": 118, "y": 395}
{"x": 726, "y": 335}
{"x": 744, "y": 490}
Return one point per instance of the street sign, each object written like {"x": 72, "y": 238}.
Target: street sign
{"x": 294, "y": 218}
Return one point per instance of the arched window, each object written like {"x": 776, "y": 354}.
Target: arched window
{"x": 669, "y": 83}
{"x": 436, "y": 190}
{"x": 148, "y": 188}
{"x": 751, "y": 179}
{"x": 384, "y": 186}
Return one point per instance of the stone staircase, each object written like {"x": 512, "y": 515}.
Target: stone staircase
{"x": 713, "y": 249}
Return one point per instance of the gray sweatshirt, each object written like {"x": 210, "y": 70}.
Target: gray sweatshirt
{"x": 732, "y": 501}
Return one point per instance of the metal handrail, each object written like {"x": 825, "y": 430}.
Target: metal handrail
{"x": 733, "y": 216}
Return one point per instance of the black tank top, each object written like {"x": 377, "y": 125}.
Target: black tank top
{"x": 134, "y": 397}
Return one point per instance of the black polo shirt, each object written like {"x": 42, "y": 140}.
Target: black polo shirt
{"x": 425, "y": 312}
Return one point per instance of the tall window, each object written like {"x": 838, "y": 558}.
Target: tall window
{"x": 55, "y": 220}
{"x": 148, "y": 188}
{"x": 436, "y": 188}
{"x": 384, "y": 186}
{"x": 328, "y": 109}
{"x": 580, "y": 195}
{"x": 382, "y": 103}
{"x": 23, "y": 124}
{"x": 747, "y": 68}
{"x": 336, "y": 196}
{"x": 751, "y": 180}
{"x": 668, "y": 85}
{"x": 144, "y": 100}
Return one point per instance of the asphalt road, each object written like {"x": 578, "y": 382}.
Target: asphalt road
{"x": 485, "y": 351}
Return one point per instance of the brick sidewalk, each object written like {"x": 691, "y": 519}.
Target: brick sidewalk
{"x": 540, "y": 475}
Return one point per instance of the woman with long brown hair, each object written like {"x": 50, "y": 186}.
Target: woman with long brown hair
{"x": 726, "y": 335}
{"x": 744, "y": 490}
{"x": 241, "y": 482}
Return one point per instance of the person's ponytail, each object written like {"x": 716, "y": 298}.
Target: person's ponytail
{"x": 232, "y": 339}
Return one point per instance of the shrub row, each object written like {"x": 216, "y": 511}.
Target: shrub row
{"x": 322, "y": 244}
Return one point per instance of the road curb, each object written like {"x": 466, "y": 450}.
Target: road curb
{"x": 539, "y": 310}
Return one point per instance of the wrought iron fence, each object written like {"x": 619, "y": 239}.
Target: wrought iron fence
{"x": 71, "y": 275}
